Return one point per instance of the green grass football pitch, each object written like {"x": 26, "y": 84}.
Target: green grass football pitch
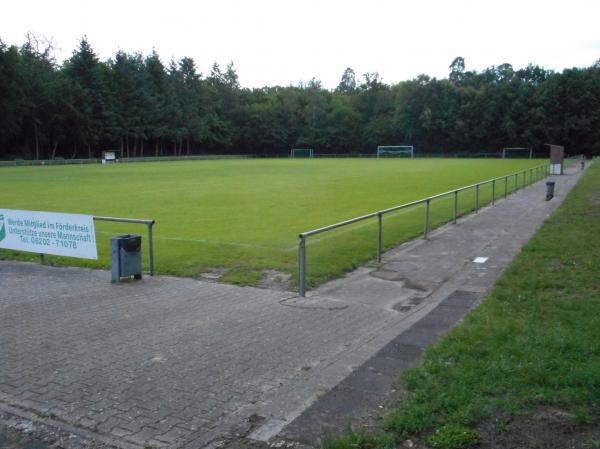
{"x": 245, "y": 215}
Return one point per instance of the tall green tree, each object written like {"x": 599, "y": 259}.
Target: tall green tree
{"x": 91, "y": 96}
{"x": 11, "y": 100}
{"x": 135, "y": 103}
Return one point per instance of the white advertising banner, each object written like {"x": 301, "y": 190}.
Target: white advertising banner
{"x": 71, "y": 235}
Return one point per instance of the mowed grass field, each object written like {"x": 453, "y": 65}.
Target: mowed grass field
{"x": 244, "y": 216}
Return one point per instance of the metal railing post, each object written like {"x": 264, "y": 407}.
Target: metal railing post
{"x": 493, "y": 191}
{"x": 516, "y": 182}
{"x": 505, "y": 187}
{"x": 477, "y": 198}
{"x": 379, "y": 234}
{"x": 522, "y": 184}
{"x": 426, "y": 223}
{"x": 455, "y": 205}
{"x": 148, "y": 223}
{"x": 151, "y": 248}
{"x": 302, "y": 265}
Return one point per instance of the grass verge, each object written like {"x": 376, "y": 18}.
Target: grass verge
{"x": 533, "y": 343}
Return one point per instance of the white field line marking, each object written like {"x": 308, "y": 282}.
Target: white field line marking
{"x": 211, "y": 242}
{"x": 310, "y": 241}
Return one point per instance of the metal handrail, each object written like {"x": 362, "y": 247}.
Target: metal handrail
{"x": 540, "y": 172}
{"x": 148, "y": 222}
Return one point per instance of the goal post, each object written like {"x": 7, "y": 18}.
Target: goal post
{"x": 517, "y": 152}
{"x": 395, "y": 151}
{"x": 301, "y": 153}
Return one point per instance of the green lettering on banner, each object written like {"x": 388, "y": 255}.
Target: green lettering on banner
{"x": 60, "y": 234}
{"x": 2, "y": 228}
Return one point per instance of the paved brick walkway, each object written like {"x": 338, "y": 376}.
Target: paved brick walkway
{"x": 182, "y": 363}
{"x": 166, "y": 361}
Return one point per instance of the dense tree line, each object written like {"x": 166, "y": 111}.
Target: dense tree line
{"x": 136, "y": 103}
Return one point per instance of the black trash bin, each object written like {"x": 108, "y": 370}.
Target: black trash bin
{"x": 126, "y": 256}
{"x": 550, "y": 190}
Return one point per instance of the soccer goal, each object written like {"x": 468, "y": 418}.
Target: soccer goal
{"x": 517, "y": 152}
{"x": 301, "y": 152}
{"x": 395, "y": 151}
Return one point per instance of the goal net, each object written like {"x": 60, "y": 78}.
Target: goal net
{"x": 517, "y": 152}
{"x": 302, "y": 152}
{"x": 395, "y": 151}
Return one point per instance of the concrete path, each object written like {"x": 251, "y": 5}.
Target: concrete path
{"x": 181, "y": 363}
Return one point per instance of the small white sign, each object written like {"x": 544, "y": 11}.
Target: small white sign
{"x": 481, "y": 260}
{"x": 71, "y": 235}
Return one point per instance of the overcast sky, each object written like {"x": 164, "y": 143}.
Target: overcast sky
{"x": 281, "y": 42}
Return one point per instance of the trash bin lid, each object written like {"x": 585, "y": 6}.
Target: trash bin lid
{"x": 129, "y": 242}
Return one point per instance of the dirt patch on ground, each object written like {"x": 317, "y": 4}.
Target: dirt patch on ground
{"x": 595, "y": 199}
{"x": 276, "y": 280}
{"x": 271, "y": 279}
{"x": 245, "y": 443}
{"x": 213, "y": 274}
{"x": 19, "y": 433}
{"x": 546, "y": 428}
